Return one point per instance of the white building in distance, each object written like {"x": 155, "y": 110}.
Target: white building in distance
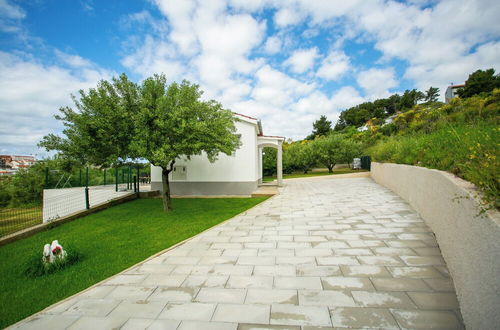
{"x": 451, "y": 92}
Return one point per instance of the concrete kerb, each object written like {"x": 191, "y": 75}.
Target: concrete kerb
{"x": 135, "y": 265}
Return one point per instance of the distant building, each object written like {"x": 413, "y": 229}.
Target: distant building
{"x": 451, "y": 92}
{"x": 10, "y": 164}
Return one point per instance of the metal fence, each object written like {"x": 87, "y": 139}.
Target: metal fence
{"x": 67, "y": 192}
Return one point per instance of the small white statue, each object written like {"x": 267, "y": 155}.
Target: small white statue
{"x": 53, "y": 251}
{"x": 48, "y": 257}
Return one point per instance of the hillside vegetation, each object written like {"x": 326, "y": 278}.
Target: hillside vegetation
{"x": 460, "y": 137}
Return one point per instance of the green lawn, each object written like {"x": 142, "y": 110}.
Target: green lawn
{"x": 110, "y": 241}
{"x": 318, "y": 173}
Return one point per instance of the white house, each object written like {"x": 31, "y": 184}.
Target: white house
{"x": 238, "y": 174}
{"x": 451, "y": 92}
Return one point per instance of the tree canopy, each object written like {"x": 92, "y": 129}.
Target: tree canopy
{"x": 119, "y": 120}
{"x": 480, "y": 82}
{"x": 321, "y": 127}
{"x": 432, "y": 94}
{"x": 335, "y": 149}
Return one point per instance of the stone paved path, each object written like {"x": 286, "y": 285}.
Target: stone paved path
{"x": 341, "y": 253}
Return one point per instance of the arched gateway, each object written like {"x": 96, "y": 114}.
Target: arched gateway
{"x": 272, "y": 142}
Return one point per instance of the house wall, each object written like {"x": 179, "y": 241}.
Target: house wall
{"x": 469, "y": 240}
{"x": 229, "y": 175}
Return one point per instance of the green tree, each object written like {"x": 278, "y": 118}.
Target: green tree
{"x": 480, "y": 82}
{"x": 321, "y": 127}
{"x": 432, "y": 94}
{"x": 335, "y": 149}
{"x": 99, "y": 131}
{"x": 153, "y": 121}
{"x": 410, "y": 98}
{"x": 269, "y": 161}
{"x": 299, "y": 156}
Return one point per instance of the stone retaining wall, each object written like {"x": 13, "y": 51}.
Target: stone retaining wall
{"x": 469, "y": 242}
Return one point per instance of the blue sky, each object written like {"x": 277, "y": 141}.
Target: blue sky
{"x": 286, "y": 62}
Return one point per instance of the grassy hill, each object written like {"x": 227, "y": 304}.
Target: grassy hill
{"x": 461, "y": 137}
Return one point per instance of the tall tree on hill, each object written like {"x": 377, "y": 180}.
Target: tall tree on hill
{"x": 480, "y": 82}
{"x": 432, "y": 94}
{"x": 321, "y": 127}
{"x": 410, "y": 98}
{"x": 153, "y": 121}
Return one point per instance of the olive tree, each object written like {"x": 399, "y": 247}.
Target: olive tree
{"x": 173, "y": 122}
{"x": 335, "y": 149}
{"x": 299, "y": 156}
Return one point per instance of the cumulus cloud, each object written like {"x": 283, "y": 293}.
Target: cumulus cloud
{"x": 154, "y": 56}
{"x": 273, "y": 45}
{"x": 302, "y": 60}
{"x": 377, "y": 82}
{"x": 277, "y": 88}
{"x": 334, "y": 66}
{"x": 288, "y": 16}
{"x": 31, "y": 93}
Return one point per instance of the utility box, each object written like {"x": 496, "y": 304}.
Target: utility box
{"x": 179, "y": 173}
{"x": 356, "y": 164}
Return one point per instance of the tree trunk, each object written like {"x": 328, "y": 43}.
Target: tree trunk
{"x": 166, "y": 190}
{"x": 330, "y": 168}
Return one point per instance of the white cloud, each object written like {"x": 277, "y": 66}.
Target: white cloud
{"x": 30, "y": 94}
{"x": 73, "y": 60}
{"x": 10, "y": 17}
{"x": 346, "y": 97}
{"x": 302, "y": 60}
{"x": 10, "y": 10}
{"x": 334, "y": 66}
{"x": 273, "y": 45}
{"x": 154, "y": 56}
{"x": 288, "y": 16}
{"x": 377, "y": 82}
{"x": 180, "y": 15}
{"x": 277, "y": 88}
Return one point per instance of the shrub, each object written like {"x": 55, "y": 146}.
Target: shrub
{"x": 35, "y": 267}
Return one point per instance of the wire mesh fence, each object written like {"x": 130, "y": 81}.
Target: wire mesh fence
{"x": 63, "y": 192}
{"x": 13, "y": 219}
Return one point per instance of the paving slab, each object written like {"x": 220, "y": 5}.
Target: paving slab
{"x": 323, "y": 254}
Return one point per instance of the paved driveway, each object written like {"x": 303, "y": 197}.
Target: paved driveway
{"x": 326, "y": 252}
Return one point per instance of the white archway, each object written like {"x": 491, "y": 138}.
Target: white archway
{"x": 273, "y": 142}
